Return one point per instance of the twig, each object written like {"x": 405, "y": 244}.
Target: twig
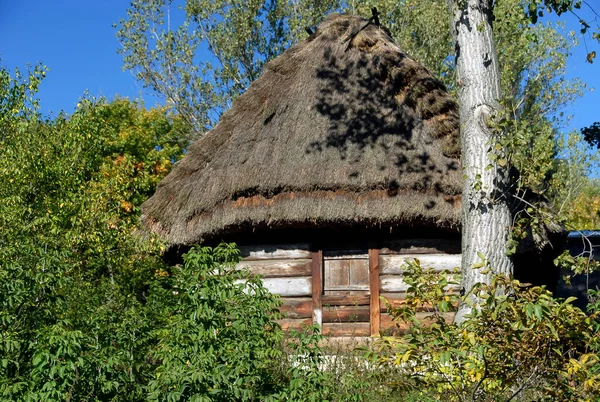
{"x": 485, "y": 373}
{"x": 518, "y": 391}
{"x": 373, "y": 20}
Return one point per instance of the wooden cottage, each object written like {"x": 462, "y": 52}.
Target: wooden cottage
{"x": 335, "y": 167}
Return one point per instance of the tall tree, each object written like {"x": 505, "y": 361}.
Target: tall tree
{"x": 486, "y": 216}
{"x": 487, "y": 190}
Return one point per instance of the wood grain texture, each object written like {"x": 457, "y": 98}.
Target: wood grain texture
{"x": 317, "y": 286}
{"x": 374, "y": 310}
{"x": 278, "y": 268}
{"x": 275, "y": 252}
{"x": 395, "y": 284}
{"x": 362, "y": 299}
{"x": 346, "y": 274}
{"x": 288, "y": 323}
{"x": 289, "y": 287}
{"x": 396, "y": 300}
{"x": 396, "y": 264}
{"x": 296, "y": 307}
{"x": 345, "y": 254}
{"x": 392, "y": 283}
{"x": 346, "y": 314}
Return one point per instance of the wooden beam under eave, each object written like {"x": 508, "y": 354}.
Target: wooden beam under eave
{"x": 375, "y": 311}
{"x": 317, "y": 286}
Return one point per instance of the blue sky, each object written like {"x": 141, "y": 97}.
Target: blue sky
{"x": 75, "y": 39}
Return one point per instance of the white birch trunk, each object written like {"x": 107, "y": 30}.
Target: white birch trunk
{"x": 486, "y": 216}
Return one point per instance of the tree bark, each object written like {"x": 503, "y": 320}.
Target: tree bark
{"x": 486, "y": 217}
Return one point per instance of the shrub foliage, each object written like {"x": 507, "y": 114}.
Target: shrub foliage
{"x": 519, "y": 343}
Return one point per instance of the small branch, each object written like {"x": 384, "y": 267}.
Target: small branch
{"x": 518, "y": 391}
{"x": 591, "y": 8}
{"x": 485, "y": 374}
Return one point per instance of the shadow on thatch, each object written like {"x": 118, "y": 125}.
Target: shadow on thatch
{"x": 340, "y": 130}
{"x": 375, "y": 96}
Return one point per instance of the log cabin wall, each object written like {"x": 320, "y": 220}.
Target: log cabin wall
{"x": 340, "y": 289}
{"x": 438, "y": 254}
{"x": 287, "y": 271}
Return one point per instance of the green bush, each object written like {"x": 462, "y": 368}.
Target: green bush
{"x": 518, "y": 342}
{"x": 220, "y": 339}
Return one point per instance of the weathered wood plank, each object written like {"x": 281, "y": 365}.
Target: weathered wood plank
{"x": 395, "y": 299}
{"x": 347, "y": 329}
{"x": 374, "y": 311}
{"x": 421, "y": 246}
{"x": 398, "y": 301}
{"x": 345, "y": 314}
{"x": 274, "y": 252}
{"x": 391, "y": 327}
{"x": 346, "y": 300}
{"x": 396, "y": 264}
{"x": 354, "y": 293}
{"x": 289, "y": 287}
{"x": 288, "y": 323}
{"x": 395, "y": 283}
{"x": 277, "y": 268}
{"x": 336, "y": 275}
{"x": 346, "y": 274}
{"x": 296, "y": 307}
{"x": 392, "y": 283}
{"x": 317, "y": 286}
{"x": 359, "y": 274}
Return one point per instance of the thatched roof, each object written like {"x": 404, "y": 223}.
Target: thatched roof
{"x": 341, "y": 129}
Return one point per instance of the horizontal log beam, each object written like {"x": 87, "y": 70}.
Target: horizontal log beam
{"x": 346, "y": 300}
{"x": 347, "y": 314}
{"x": 396, "y": 264}
{"x": 277, "y": 268}
{"x": 274, "y": 252}
{"x": 392, "y": 283}
{"x": 399, "y": 299}
{"x": 395, "y": 284}
{"x": 346, "y": 257}
{"x": 289, "y": 287}
{"x": 297, "y": 324}
{"x": 391, "y": 327}
{"x": 296, "y": 307}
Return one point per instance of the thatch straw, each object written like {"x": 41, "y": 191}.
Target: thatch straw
{"x": 334, "y": 131}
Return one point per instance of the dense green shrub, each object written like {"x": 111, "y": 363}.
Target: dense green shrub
{"x": 73, "y": 275}
{"x": 220, "y": 339}
{"x": 519, "y": 342}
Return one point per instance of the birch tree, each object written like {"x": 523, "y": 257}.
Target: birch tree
{"x": 486, "y": 215}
